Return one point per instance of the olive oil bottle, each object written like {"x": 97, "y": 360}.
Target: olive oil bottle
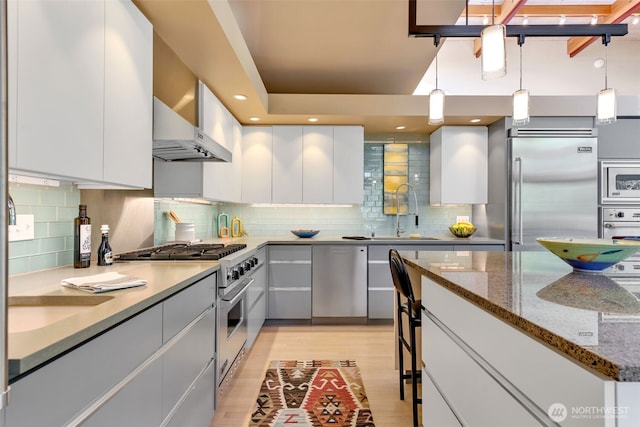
{"x": 82, "y": 239}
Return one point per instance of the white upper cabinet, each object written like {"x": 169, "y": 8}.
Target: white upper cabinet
{"x": 128, "y": 106}
{"x": 80, "y": 84}
{"x": 317, "y": 164}
{"x": 219, "y": 181}
{"x": 309, "y": 164}
{"x": 458, "y": 165}
{"x": 348, "y": 164}
{"x": 215, "y": 120}
{"x": 56, "y": 80}
{"x": 287, "y": 164}
{"x": 257, "y": 149}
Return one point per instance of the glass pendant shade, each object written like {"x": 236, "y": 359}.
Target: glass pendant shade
{"x": 521, "y": 107}
{"x": 606, "y": 110}
{"x": 436, "y": 107}
{"x": 494, "y": 58}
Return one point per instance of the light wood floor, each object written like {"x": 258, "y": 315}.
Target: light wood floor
{"x": 372, "y": 347}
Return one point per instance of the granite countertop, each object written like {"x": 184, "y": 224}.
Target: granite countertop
{"x": 594, "y": 319}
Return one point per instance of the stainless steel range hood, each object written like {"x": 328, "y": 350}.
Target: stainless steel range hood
{"x": 175, "y": 139}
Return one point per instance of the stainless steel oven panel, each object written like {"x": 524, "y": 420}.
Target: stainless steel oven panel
{"x": 232, "y": 327}
{"x": 620, "y": 182}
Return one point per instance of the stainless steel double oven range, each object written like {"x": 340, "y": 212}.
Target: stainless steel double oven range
{"x": 237, "y": 267}
{"x": 620, "y": 207}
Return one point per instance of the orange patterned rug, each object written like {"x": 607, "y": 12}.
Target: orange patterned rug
{"x": 314, "y": 393}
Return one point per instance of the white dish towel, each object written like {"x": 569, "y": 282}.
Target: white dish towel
{"x": 104, "y": 282}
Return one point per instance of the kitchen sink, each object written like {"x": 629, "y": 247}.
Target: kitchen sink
{"x": 27, "y": 313}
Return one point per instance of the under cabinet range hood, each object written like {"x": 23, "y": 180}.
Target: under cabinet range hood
{"x": 175, "y": 139}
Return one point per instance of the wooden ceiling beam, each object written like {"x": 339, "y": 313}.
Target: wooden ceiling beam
{"x": 506, "y": 13}
{"x": 620, "y": 10}
{"x": 542, "y": 11}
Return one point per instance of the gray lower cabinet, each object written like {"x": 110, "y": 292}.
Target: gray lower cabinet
{"x": 380, "y": 289}
{"x": 257, "y": 300}
{"x": 289, "y": 295}
{"x": 140, "y": 373}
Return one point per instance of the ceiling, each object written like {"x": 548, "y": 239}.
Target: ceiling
{"x": 340, "y": 61}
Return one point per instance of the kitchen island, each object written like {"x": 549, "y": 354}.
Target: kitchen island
{"x": 520, "y": 339}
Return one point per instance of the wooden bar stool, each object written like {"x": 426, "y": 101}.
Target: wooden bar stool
{"x": 408, "y": 306}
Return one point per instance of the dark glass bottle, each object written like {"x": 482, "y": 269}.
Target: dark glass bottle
{"x": 82, "y": 239}
{"x": 105, "y": 254}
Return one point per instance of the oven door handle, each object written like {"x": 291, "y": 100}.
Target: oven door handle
{"x": 238, "y": 294}
{"x": 611, "y": 225}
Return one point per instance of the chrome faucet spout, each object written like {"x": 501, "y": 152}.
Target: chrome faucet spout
{"x": 399, "y": 230}
{"x": 11, "y": 209}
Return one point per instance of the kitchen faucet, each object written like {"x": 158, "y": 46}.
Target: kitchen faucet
{"x": 415, "y": 199}
{"x": 11, "y": 209}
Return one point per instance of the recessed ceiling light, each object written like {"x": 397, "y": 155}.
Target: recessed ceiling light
{"x": 240, "y": 97}
{"x": 598, "y": 63}
{"x": 525, "y": 20}
{"x": 254, "y": 119}
{"x": 563, "y": 20}
{"x": 400, "y": 127}
{"x": 635, "y": 20}
{"x": 312, "y": 119}
{"x": 474, "y": 121}
{"x": 594, "y": 20}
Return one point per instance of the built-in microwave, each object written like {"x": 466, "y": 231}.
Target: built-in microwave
{"x": 620, "y": 182}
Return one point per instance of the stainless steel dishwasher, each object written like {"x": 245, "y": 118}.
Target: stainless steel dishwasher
{"x": 339, "y": 281}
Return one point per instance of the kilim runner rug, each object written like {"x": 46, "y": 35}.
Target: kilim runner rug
{"x": 313, "y": 393}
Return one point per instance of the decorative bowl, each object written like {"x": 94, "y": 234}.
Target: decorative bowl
{"x": 462, "y": 232}
{"x": 590, "y": 255}
{"x": 305, "y": 233}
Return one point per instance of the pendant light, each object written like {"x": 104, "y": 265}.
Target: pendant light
{"x": 494, "y": 57}
{"x": 606, "y": 108}
{"x": 520, "y": 97}
{"x": 436, "y": 98}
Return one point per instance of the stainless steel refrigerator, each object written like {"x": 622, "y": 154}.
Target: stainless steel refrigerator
{"x": 553, "y": 190}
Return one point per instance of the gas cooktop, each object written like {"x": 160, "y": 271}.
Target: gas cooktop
{"x": 182, "y": 252}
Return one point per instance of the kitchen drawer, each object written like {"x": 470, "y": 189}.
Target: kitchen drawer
{"x": 540, "y": 373}
{"x": 180, "y": 309}
{"x": 289, "y": 253}
{"x": 290, "y": 303}
{"x": 59, "y": 389}
{"x": 198, "y": 407}
{"x": 258, "y": 287}
{"x": 379, "y": 274}
{"x": 137, "y": 404}
{"x": 380, "y": 304}
{"x": 436, "y": 412}
{"x": 257, "y": 314}
{"x": 472, "y": 392}
{"x": 186, "y": 359}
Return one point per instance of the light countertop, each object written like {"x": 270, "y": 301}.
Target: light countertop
{"x": 593, "y": 319}
{"x": 31, "y": 347}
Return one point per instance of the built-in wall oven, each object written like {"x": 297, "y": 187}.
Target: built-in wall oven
{"x": 620, "y": 182}
{"x": 622, "y": 222}
{"x": 237, "y": 273}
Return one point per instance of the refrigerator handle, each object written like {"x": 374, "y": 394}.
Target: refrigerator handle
{"x": 517, "y": 166}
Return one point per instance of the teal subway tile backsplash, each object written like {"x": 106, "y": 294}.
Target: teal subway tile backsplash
{"x": 53, "y": 209}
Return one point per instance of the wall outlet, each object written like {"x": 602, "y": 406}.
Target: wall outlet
{"x": 462, "y": 218}
{"x": 23, "y": 230}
